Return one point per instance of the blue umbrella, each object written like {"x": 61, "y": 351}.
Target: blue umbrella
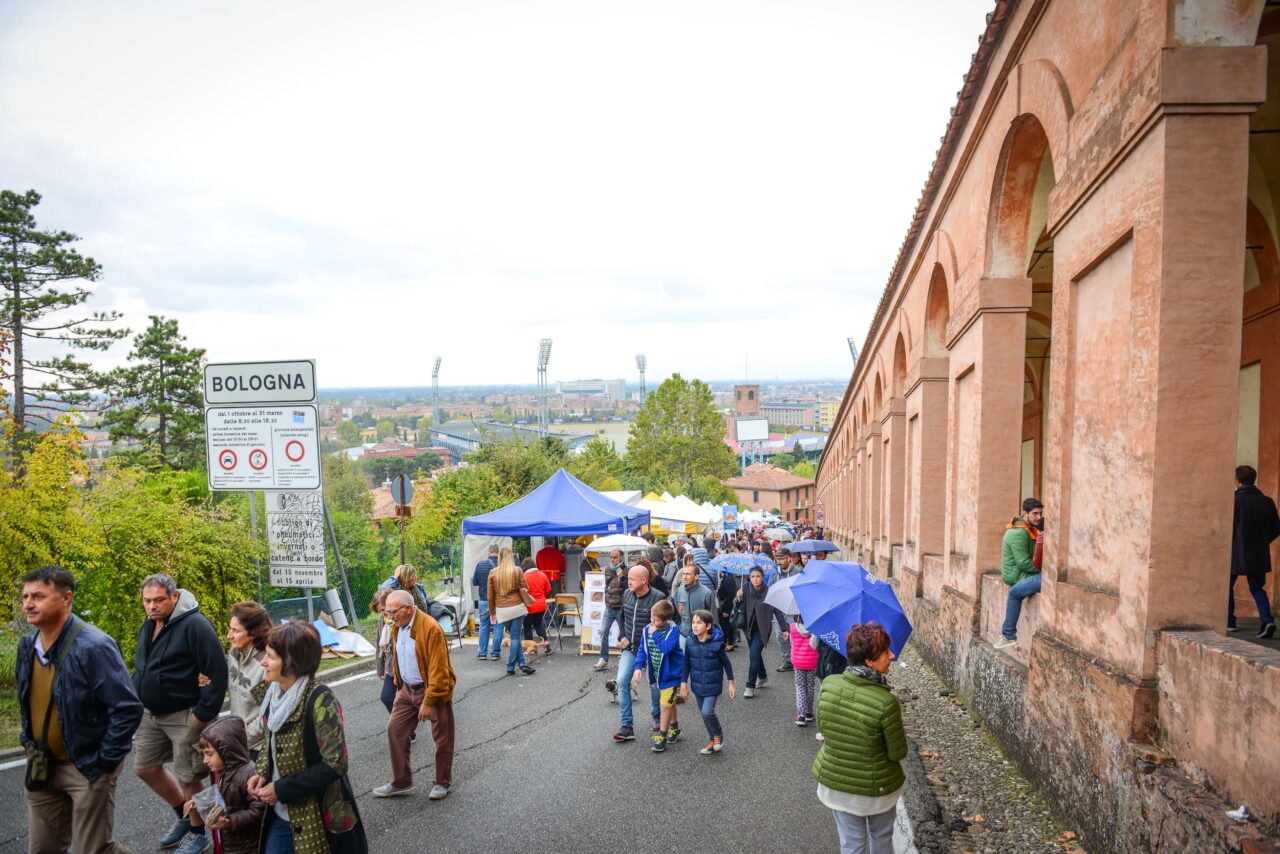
{"x": 808, "y": 547}
{"x": 835, "y": 596}
{"x": 742, "y": 564}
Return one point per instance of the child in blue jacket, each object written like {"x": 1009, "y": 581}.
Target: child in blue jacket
{"x": 706, "y": 665}
{"x": 661, "y": 656}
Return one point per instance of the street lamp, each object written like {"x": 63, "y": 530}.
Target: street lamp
{"x": 544, "y": 356}
{"x": 640, "y": 365}
{"x": 435, "y": 394}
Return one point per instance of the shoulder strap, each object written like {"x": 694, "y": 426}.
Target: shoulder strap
{"x": 57, "y": 665}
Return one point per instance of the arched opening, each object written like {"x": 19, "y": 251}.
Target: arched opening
{"x": 1018, "y": 245}
{"x": 937, "y": 314}
{"x": 879, "y": 396}
{"x": 899, "y": 367}
{"x": 1258, "y": 418}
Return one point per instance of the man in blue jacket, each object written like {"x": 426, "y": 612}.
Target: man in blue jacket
{"x": 91, "y": 687}
{"x": 175, "y": 646}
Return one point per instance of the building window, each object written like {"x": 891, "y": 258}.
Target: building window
{"x": 755, "y": 496}
{"x": 751, "y": 395}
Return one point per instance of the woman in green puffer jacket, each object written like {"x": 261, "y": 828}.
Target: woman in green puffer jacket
{"x": 858, "y": 767}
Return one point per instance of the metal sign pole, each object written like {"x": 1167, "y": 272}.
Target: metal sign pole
{"x": 253, "y": 535}
{"x": 337, "y": 556}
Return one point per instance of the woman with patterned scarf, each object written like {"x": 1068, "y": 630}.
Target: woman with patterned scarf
{"x": 302, "y": 771}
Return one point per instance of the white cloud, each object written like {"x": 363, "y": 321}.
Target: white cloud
{"x": 374, "y": 184}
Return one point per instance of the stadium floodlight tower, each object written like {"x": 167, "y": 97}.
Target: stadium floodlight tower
{"x": 640, "y": 366}
{"x": 435, "y": 394}
{"x": 544, "y": 356}
{"x": 853, "y": 351}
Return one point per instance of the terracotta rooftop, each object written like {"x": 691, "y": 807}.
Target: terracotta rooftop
{"x": 766, "y": 476}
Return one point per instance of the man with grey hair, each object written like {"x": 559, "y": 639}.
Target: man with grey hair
{"x": 176, "y": 644}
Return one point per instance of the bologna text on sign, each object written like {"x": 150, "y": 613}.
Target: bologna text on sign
{"x": 263, "y": 447}
{"x": 260, "y": 382}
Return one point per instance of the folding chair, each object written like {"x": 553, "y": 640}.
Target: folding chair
{"x": 566, "y": 605}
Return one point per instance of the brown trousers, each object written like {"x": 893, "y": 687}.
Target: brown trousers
{"x": 403, "y": 721}
{"x": 72, "y": 808}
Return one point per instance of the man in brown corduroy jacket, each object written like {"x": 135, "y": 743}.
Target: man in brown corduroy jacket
{"x": 424, "y": 692}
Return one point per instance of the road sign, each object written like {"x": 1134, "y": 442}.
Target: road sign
{"x": 820, "y": 514}
{"x": 295, "y": 539}
{"x": 260, "y": 382}
{"x": 401, "y": 489}
{"x": 263, "y": 447}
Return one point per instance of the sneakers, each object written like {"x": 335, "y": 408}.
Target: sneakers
{"x": 808, "y": 719}
{"x": 748, "y": 692}
{"x": 656, "y": 726}
{"x": 176, "y": 834}
{"x": 1005, "y": 643}
{"x": 493, "y": 656}
{"x": 817, "y": 736}
{"x": 785, "y": 666}
{"x": 390, "y": 790}
{"x": 527, "y": 670}
{"x": 601, "y": 664}
{"x": 195, "y": 843}
{"x": 673, "y": 734}
{"x": 546, "y": 647}
{"x": 762, "y": 681}
{"x": 713, "y": 746}
{"x": 625, "y": 733}
{"x": 801, "y": 720}
{"x": 1232, "y": 629}
{"x": 1268, "y": 630}
{"x": 659, "y": 743}
{"x": 438, "y": 792}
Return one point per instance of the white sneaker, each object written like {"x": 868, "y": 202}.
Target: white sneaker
{"x": 438, "y": 793}
{"x": 601, "y": 664}
{"x": 817, "y": 736}
{"x": 748, "y": 692}
{"x": 391, "y": 791}
{"x": 1005, "y": 643}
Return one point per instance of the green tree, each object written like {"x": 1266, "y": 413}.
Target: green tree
{"x": 599, "y": 465}
{"x": 708, "y": 488}
{"x": 678, "y": 434}
{"x": 379, "y": 469}
{"x": 424, "y": 425}
{"x": 385, "y": 429}
{"x": 43, "y": 283}
{"x": 349, "y": 433}
{"x": 804, "y": 469}
{"x": 156, "y": 398}
{"x": 345, "y": 488}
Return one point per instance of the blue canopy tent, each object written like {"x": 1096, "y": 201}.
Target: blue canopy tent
{"x": 563, "y": 506}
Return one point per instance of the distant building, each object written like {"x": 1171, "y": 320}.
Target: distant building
{"x": 458, "y": 438}
{"x": 615, "y": 389}
{"x": 769, "y": 487}
{"x": 790, "y": 414}
{"x": 746, "y": 400}
{"x": 827, "y": 411}
{"x": 393, "y": 447}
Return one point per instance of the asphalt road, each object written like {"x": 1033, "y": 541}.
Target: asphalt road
{"x": 536, "y": 769}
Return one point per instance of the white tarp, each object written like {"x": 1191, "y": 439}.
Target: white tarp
{"x": 475, "y": 548}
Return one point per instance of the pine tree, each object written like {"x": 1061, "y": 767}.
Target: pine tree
{"x": 42, "y": 289}
{"x": 156, "y": 398}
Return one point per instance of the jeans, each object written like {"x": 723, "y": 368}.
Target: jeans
{"x": 1259, "y": 598}
{"x": 388, "y": 695}
{"x": 626, "y": 667}
{"x": 485, "y": 627}
{"x": 756, "y": 644}
{"x": 707, "y": 708}
{"x": 1013, "y": 608}
{"x": 516, "y": 655}
{"x": 278, "y": 837}
{"x": 865, "y": 834}
{"x": 611, "y": 616}
{"x": 784, "y": 643}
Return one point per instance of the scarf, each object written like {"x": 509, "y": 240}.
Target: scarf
{"x": 280, "y": 706}
{"x": 861, "y": 670}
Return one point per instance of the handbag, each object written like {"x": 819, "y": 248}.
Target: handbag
{"x": 738, "y": 616}
{"x": 39, "y": 770}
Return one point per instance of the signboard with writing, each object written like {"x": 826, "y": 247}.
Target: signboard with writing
{"x": 295, "y": 539}
{"x": 263, "y": 447}
{"x": 260, "y": 382}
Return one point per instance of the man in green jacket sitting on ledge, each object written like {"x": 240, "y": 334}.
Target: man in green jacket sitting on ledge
{"x": 1017, "y": 566}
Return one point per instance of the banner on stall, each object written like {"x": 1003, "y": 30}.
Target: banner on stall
{"x": 593, "y": 587}
{"x": 729, "y": 516}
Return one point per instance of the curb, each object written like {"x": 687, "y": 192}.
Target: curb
{"x": 331, "y": 675}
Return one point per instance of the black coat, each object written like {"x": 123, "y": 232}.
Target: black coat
{"x": 166, "y": 667}
{"x": 759, "y": 613}
{"x": 1253, "y": 528}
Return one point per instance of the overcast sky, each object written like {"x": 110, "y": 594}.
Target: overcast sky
{"x": 375, "y": 184}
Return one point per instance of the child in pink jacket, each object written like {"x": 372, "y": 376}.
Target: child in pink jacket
{"x": 804, "y": 658}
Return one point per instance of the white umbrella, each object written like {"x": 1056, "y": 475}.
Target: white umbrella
{"x": 779, "y": 596}
{"x": 622, "y": 542}
{"x": 778, "y": 534}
